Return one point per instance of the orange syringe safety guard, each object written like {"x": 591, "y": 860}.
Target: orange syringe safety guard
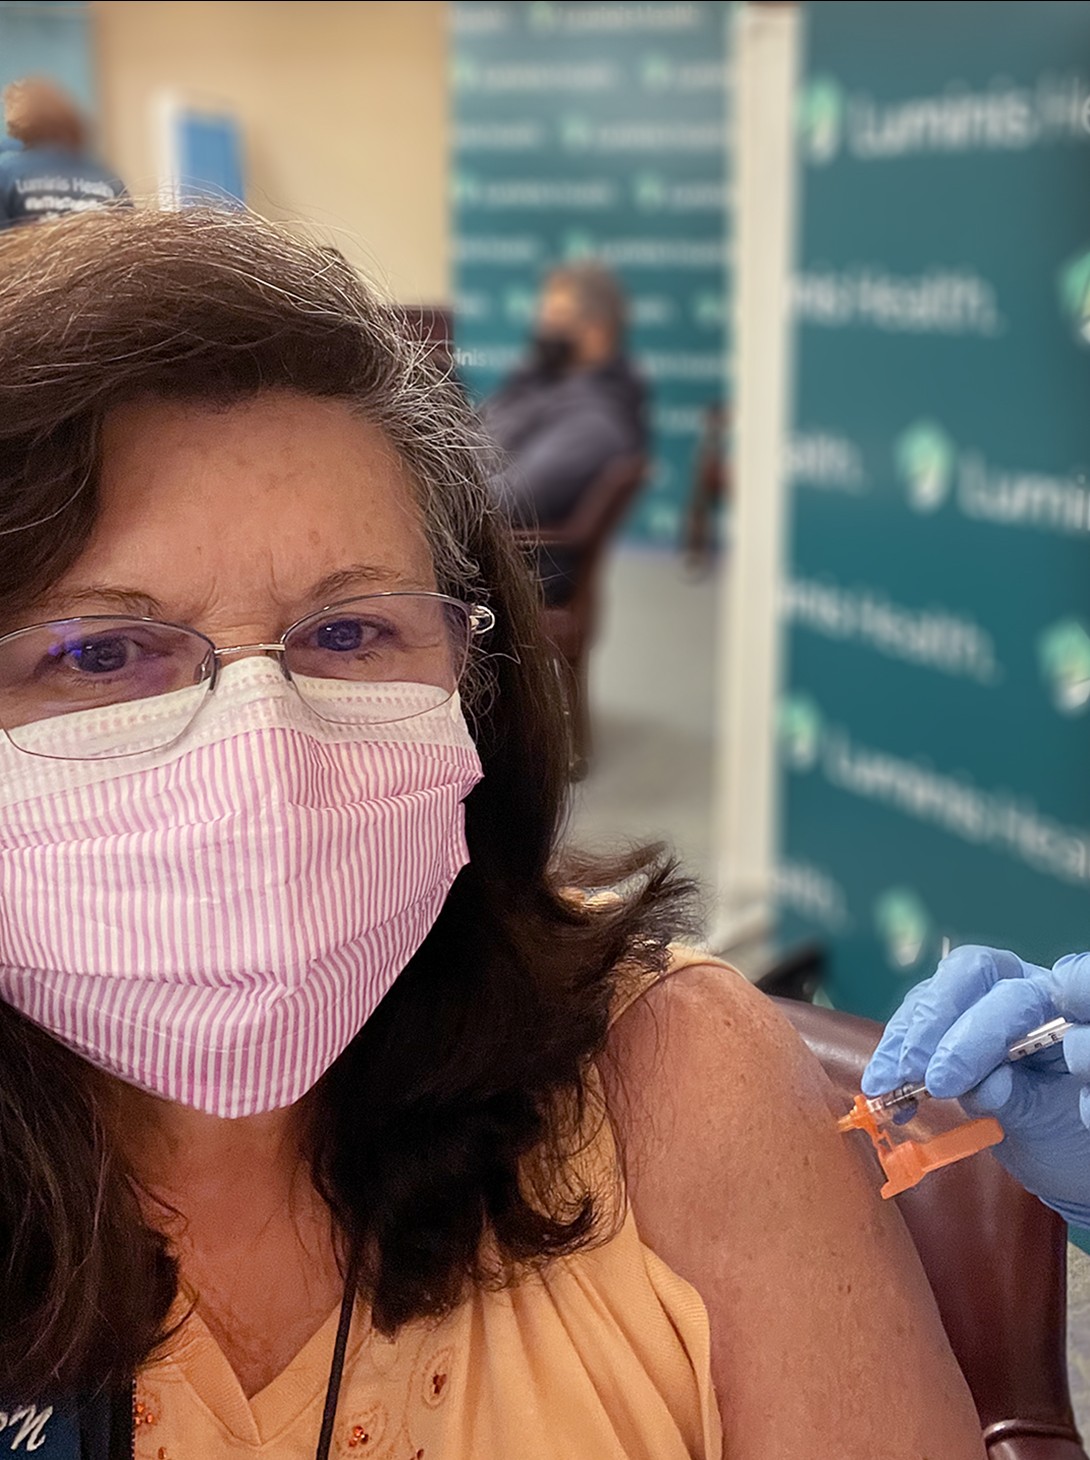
{"x": 907, "y": 1162}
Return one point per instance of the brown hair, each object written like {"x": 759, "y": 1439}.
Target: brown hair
{"x": 598, "y": 291}
{"x": 478, "y": 1056}
{"x": 39, "y": 113}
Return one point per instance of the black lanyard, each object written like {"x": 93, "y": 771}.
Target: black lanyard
{"x": 101, "y": 1426}
{"x": 336, "y": 1369}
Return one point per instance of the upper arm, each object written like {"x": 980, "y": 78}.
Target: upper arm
{"x": 826, "y": 1341}
{"x": 552, "y": 469}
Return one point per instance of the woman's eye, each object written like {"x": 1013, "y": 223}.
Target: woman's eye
{"x": 346, "y": 635}
{"x": 99, "y": 656}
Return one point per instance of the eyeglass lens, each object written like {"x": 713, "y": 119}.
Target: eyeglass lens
{"x": 87, "y": 666}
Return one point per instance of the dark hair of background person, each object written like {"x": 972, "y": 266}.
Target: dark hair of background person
{"x": 421, "y": 1132}
{"x": 599, "y": 294}
{"x": 38, "y": 113}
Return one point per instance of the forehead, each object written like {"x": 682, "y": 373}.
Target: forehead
{"x": 559, "y": 298}
{"x": 260, "y": 498}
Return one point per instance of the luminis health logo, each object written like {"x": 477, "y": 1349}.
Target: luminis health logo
{"x": 799, "y": 726}
{"x": 821, "y": 119}
{"x": 518, "y": 305}
{"x": 577, "y": 243}
{"x": 924, "y": 456}
{"x": 649, "y": 191}
{"x": 576, "y": 132}
{"x": 657, "y": 72}
{"x": 465, "y": 74}
{"x": 1063, "y": 652}
{"x": 1074, "y": 286}
{"x": 465, "y": 189}
{"x": 903, "y": 925}
{"x": 709, "y": 309}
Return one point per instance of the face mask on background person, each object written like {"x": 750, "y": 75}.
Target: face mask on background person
{"x": 552, "y": 353}
{"x": 216, "y": 920}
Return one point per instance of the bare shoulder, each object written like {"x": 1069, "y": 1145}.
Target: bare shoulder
{"x": 740, "y": 1182}
{"x": 705, "y": 1054}
{"x": 710, "y": 1009}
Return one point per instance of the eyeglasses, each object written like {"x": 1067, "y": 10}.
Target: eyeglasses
{"x": 84, "y": 667}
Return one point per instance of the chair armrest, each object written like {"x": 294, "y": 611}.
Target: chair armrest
{"x": 598, "y": 512}
{"x": 1035, "y": 1447}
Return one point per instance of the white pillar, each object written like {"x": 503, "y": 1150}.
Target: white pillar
{"x": 765, "y": 58}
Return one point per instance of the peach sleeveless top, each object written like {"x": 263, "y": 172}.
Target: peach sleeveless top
{"x": 604, "y": 1355}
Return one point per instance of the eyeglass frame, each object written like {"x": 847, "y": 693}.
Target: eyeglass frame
{"x": 480, "y": 619}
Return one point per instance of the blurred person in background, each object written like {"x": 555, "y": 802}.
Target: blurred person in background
{"x": 327, "y": 1109}
{"x": 574, "y": 405}
{"x": 48, "y": 171}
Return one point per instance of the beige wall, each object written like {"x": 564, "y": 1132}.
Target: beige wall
{"x": 343, "y": 109}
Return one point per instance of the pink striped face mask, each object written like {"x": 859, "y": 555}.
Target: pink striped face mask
{"x": 216, "y": 921}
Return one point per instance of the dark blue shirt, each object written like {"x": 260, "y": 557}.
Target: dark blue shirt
{"x": 560, "y": 432}
{"x": 45, "y": 182}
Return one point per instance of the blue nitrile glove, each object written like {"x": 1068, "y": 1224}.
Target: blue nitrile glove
{"x": 953, "y": 1031}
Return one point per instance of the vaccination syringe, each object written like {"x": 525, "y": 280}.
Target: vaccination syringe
{"x": 1037, "y": 1039}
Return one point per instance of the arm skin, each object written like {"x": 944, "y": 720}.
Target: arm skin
{"x": 826, "y": 1342}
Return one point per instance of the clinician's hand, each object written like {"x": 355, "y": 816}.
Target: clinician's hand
{"x": 953, "y": 1031}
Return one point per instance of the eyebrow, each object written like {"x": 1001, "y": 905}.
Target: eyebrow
{"x": 344, "y": 580}
{"x": 334, "y": 586}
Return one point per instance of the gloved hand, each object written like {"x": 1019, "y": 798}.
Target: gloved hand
{"x": 953, "y": 1030}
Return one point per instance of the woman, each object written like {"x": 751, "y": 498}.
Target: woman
{"x": 304, "y": 1122}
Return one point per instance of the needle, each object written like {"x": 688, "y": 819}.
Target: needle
{"x": 1043, "y": 1037}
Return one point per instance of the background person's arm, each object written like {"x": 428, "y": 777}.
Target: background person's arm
{"x": 546, "y": 477}
{"x": 826, "y": 1342}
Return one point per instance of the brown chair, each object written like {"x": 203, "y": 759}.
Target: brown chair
{"x": 996, "y": 1259}
{"x": 583, "y": 540}
{"x": 711, "y": 487}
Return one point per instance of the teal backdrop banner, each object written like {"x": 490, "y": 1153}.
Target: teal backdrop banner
{"x": 935, "y": 726}
{"x": 597, "y": 130}
{"x": 47, "y": 38}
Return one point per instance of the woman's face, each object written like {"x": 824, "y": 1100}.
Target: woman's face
{"x": 239, "y": 521}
